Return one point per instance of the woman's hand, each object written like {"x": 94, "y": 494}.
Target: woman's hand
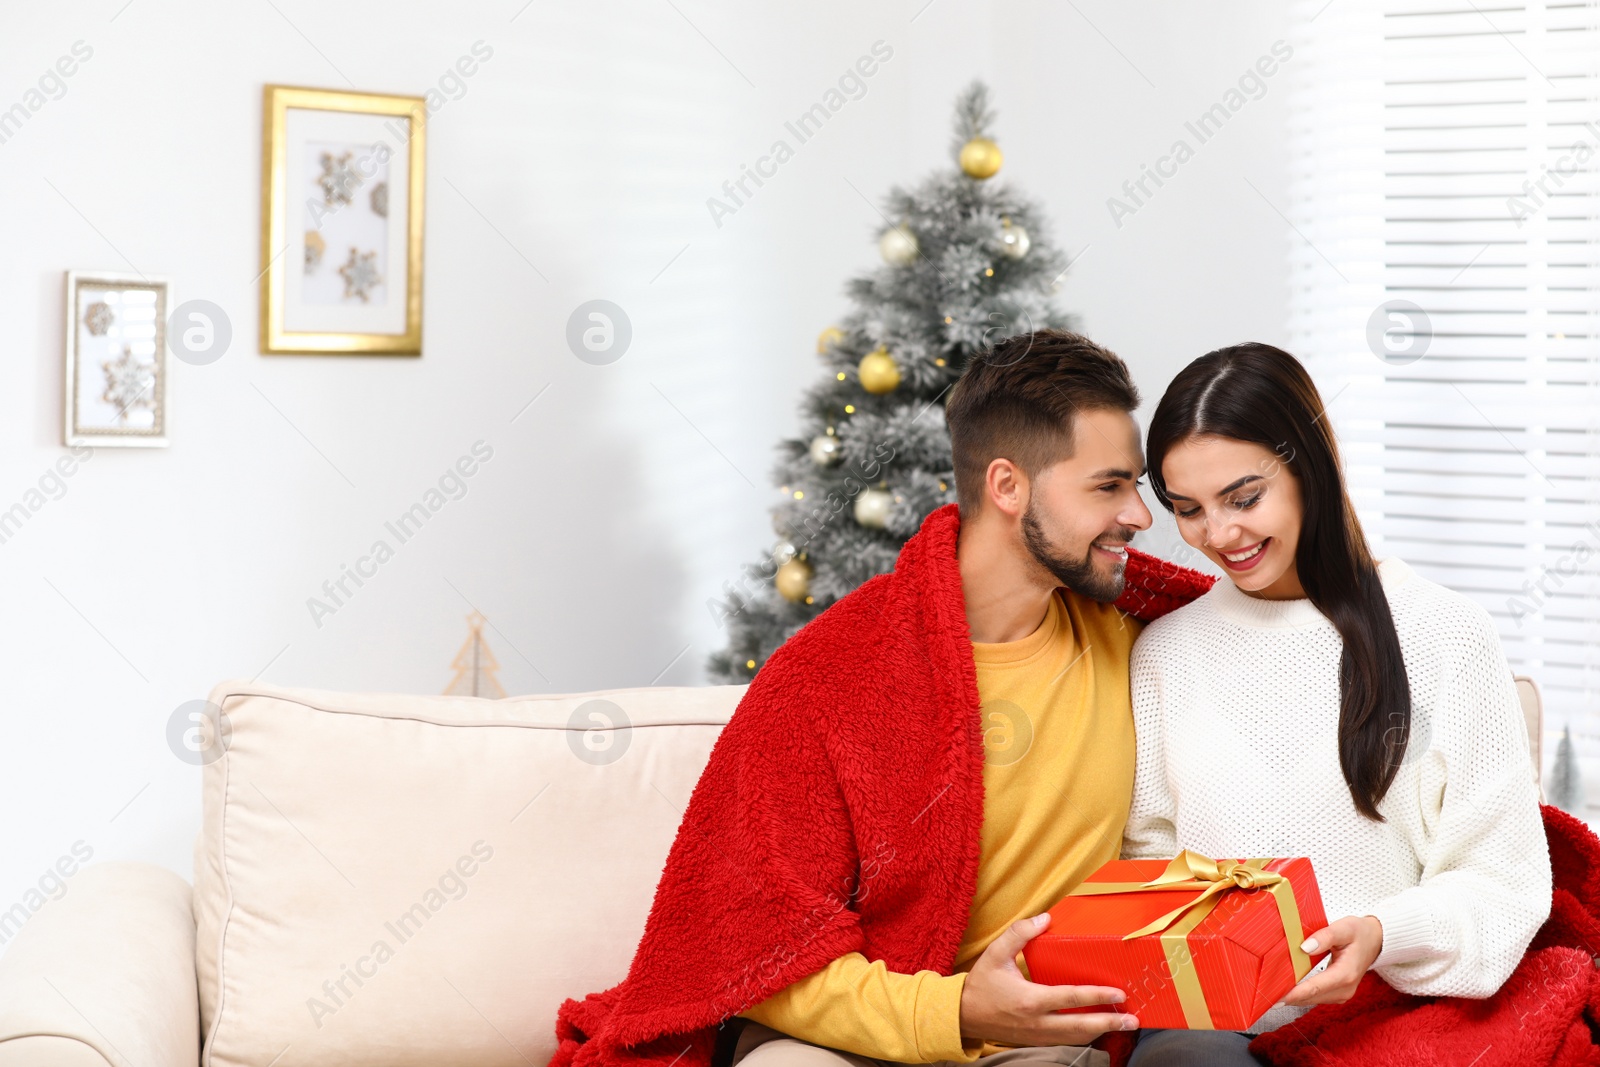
{"x": 1355, "y": 942}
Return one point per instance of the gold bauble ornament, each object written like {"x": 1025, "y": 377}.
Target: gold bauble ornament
{"x": 793, "y": 580}
{"x": 878, "y": 372}
{"x": 981, "y": 158}
{"x": 828, "y": 338}
{"x": 898, "y": 246}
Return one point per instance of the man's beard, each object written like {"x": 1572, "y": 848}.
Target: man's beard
{"x": 1079, "y": 575}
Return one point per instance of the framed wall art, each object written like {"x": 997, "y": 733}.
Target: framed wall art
{"x": 341, "y": 222}
{"x": 116, "y": 360}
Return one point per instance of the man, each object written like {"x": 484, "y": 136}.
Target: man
{"x": 917, "y": 775}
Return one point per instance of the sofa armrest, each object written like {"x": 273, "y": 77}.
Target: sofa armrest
{"x": 104, "y": 975}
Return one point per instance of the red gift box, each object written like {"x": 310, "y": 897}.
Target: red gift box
{"x": 1195, "y": 943}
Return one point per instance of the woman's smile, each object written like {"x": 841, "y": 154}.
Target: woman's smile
{"x": 1245, "y": 558}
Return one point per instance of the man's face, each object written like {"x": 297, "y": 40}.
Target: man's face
{"x": 1083, "y": 511}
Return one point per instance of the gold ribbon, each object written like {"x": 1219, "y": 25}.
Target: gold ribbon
{"x": 1214, "y": 879}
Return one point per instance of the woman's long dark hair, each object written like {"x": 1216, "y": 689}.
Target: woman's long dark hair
{"x": 1261, "y": 394}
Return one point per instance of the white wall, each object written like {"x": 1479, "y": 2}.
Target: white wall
{"x": 584, "y": 150}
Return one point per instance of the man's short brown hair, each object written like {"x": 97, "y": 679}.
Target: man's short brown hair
{"x": 1018, "y": 401}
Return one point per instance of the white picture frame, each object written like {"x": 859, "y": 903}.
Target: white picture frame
{"x": 115, "y": 382}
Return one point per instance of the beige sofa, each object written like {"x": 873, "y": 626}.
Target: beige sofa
{"x": 380, "y": 881}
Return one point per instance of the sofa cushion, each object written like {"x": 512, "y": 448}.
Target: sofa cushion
{"x": 413, "y": 880}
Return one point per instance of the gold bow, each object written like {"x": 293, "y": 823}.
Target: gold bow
{"x": 1214, "y": 879}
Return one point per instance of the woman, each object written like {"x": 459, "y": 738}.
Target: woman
{"x": 1319, "y": 703}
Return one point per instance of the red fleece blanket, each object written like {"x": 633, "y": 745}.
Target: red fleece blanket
{"x": 839, "y": 812}
{"x": 1544, "y": 1014}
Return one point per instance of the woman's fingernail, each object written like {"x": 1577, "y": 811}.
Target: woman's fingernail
{"x": 1310, "y": 945}
{"x": 1040, "y": 920}
{"x": 1130, "y": 1022}
{"x": 1118, "y": 997}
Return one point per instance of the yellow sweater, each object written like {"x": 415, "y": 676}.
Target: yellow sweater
{"x": 1057, "y": 781}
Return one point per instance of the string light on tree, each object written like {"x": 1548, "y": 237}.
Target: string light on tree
{"x": 878, "y": 372}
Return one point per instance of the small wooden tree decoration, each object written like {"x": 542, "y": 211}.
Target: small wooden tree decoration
{"x": 1565, "y": 790}
{"x": 475, "y": 665}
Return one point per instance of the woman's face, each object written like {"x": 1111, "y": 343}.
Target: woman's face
{"x": 1239, "y": 503}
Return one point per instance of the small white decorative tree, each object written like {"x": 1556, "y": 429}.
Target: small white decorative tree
{"x": 1565, "y": 788}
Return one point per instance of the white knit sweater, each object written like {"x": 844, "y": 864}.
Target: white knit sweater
{"x": 1236, "y": 702}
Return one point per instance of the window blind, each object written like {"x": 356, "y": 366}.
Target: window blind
{"x": 1445, "y": 289}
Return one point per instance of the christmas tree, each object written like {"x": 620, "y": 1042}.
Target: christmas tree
{"x": 1565, "y": 788}
{"x": 475, "y": 665}
{"x": 965, "y": 266}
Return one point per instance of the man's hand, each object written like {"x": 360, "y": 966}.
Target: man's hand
{"x": 998, "y": 1004}
{"x": 1355, "y": 942}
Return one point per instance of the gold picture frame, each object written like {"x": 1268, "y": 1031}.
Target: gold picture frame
{"x": 310, "y": 305}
